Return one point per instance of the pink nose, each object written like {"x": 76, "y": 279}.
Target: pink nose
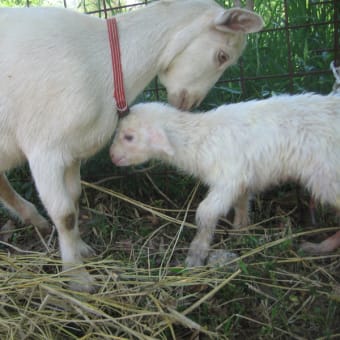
{"x": 116, "y": 159}
{"x": 112, "y": 155}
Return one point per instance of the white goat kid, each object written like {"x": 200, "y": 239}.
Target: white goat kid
{"x": 56, "y": 104}
{"x": 240, "y": 148}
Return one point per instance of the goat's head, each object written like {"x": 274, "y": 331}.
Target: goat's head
{"x": 199, "y": 53}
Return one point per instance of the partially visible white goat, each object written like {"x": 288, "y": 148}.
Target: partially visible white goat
{"x": 240, "y": 148}
{"x": 56, "y": 105}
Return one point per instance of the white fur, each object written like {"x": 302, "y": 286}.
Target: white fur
{"x": 240, "y": 148}
{"x": 56, "y": 104}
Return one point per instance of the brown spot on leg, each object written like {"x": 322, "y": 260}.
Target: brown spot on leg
{"x": 70, "y": 221}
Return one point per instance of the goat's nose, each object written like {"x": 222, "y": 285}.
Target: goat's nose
{"x": 179, "y": 99}
{"x": 114, "y": 159}
{"x": 112, "y": 154}
{"x": 117, "y": 158}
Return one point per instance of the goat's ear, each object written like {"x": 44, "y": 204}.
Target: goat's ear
{"x": 159, "y": 141}
{"x": 238, "y": 20}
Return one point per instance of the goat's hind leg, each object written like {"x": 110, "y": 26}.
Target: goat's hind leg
{"x": 25, "y": 210}
{"x": 326, "y": 246}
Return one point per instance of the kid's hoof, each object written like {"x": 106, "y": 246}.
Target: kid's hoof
{"x": 192, "y": 261}
{"x": 82, "y": 281}
{"x": 313, "y": 248}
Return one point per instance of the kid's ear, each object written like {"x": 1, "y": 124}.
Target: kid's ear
{"x": 239, "y": 20}
{"x": 159, "y": 141}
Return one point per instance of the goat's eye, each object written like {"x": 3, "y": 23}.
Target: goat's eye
{"x": 222, "y": 57}
{"x": 128, "y": 138}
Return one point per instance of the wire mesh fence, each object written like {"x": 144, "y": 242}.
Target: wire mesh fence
{"x": 291, "y": 54}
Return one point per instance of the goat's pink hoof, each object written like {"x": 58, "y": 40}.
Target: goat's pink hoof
{"x": 312, "y": 248}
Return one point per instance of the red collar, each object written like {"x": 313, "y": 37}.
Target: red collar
{"x": 119, "y": 93}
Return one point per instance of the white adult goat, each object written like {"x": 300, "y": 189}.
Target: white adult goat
{"x": 240, "y": 148}
{"x": 56, "y": 104}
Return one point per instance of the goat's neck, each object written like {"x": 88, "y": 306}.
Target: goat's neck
{"x": 140, "y": 51}
{"x": 144, "y": 35}
{"x": 186, "y": 143}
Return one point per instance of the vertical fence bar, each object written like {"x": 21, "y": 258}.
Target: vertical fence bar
{"x": 336, "y": 33}
{"x": 289, "y": 50}
{"x": 105, "y": 9}
{"x": 242, "y": 78}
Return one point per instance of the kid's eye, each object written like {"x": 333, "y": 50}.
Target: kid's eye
{"x": 128, "y": 138}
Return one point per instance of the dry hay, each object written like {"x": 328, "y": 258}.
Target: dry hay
{"x": 145, "y": 294}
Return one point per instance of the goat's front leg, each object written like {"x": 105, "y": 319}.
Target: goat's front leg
{"x": 73, "y": 185}
{"x": 51, "y": 177}
{"x": 217, "y": 203}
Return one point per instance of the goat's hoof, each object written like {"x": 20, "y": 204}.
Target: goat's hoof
{"x": 41, "y": 224}
{"x": 84, "y": 287}
{"x": 240, "y": 222}
{"x": 312, "y": 248}
{"x": 85, "y": 250}
{"x": 82, "y": 281}
{"x": 193, "y": 261}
